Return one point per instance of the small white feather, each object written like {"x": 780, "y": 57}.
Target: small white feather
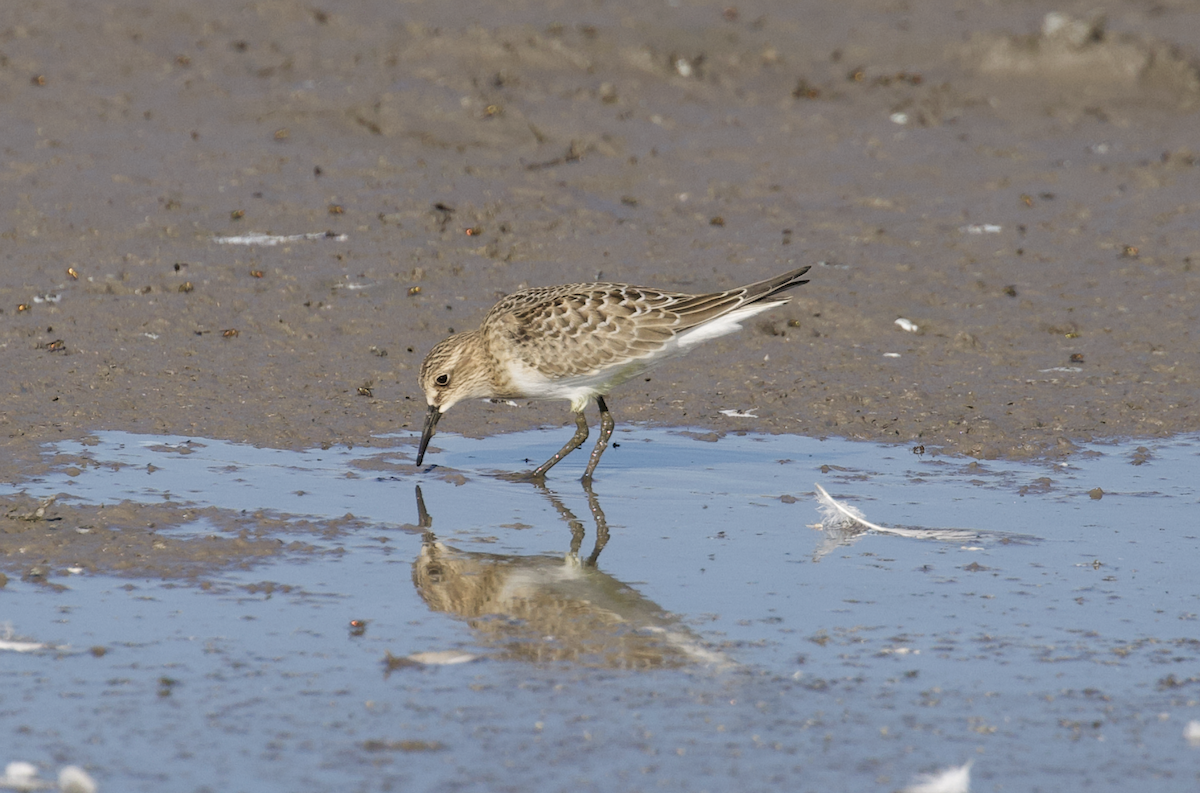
{"x": 840, "y": 518}
{"x": 442, "y": 657}
{"x": 835, "y": 514}
{"x": 951, "y": 780}
{"x": 19, "y": 775}
{"x": 73, "y": 779}
{"x": 7, "y": 642}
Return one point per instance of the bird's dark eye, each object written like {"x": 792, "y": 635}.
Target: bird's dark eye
{"x": 442, "y": 379}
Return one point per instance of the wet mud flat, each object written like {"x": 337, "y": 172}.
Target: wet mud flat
{"x": 690, "y": 619}
{"x": 250, "y": 220}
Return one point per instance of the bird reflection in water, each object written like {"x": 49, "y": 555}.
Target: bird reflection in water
{"x": 553, "y": 608}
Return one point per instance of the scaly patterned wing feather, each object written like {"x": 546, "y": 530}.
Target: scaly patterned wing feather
{"x": 581, "y": 329}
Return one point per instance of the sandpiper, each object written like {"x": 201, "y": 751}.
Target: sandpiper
{"x": 577, "y": 342}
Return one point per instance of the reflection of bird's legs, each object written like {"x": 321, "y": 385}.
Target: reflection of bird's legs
{"x": 601, "y": 523}
{"x": 577, "y": 530}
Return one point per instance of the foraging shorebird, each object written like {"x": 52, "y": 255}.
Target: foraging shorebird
{"x": 579, "y": 341}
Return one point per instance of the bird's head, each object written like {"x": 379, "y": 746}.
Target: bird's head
{"x": 454, "y": 370}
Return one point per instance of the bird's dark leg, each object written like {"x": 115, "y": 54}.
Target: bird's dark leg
{"x": 576, "y": 441}
{"x": 606, "y": 430}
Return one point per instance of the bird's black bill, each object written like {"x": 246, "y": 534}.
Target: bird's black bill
{"x": 431, "y": 420}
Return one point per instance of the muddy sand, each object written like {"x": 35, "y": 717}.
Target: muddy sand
{"x": 1017, "y": 181}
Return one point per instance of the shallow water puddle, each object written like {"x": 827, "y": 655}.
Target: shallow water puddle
{"x": 679, "y": 621}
